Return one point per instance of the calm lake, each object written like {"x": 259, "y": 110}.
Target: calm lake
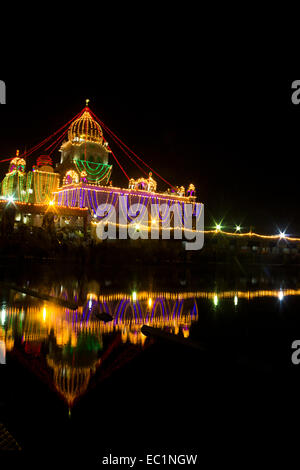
{"x": 74, "y": 379}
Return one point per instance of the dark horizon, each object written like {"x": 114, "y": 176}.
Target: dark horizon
{"x": 236, "y": 140}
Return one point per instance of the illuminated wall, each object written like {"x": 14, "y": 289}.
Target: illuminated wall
{"x": 41, "y": 185}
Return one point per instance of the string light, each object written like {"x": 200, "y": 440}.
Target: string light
{"x": 96, "y": 172}
{"x": 39, "y": 187}
{"x": 132, "y": 153}
{"x": 38, "y": 146}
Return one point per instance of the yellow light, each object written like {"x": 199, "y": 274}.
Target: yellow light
{"x": 238, "y": 228}
{"x": 51, "y": 203}
{"x": 137, "y": 227}
{"x": 154, "y": 221}
{"x": 134, "y": 296}
{"x": 216, "y": 300}
{"x": 218, "y": 227}
{"x": 149, "y": 302}
{"x": 236, "y": 300}
{"x": 44, "y": 314}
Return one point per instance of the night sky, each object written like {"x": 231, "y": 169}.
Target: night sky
{"x": 236, "y": 139}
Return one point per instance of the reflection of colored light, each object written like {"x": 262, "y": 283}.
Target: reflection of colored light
{"x": 149, "y": 302}
{"x": 236, "y": 300}
{"x": 216, "y": 300}
{"x": 44, "y": 314}
{"x": 3, "y": 315}
{"x": 185, "y": 332}
{"x": 134, "y": 296}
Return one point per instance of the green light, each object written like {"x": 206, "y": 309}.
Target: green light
{"x": 96, "y": 172}
{"x": 216, "y": 300}
{"x": 218, "y": 227}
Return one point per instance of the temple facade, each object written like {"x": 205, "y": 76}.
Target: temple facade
{"x": 81, "y": 181}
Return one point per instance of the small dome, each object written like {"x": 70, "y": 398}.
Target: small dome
{"x": 17, "y": 164}
{"x": 85, "y": 129}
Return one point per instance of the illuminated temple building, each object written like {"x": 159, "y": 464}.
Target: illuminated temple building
{"x": 81, "y": 181}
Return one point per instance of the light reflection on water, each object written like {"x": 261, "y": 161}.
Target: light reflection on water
{"x": 73, "y": 346}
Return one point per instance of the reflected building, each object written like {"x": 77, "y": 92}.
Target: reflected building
{"x": 74, "y": 345}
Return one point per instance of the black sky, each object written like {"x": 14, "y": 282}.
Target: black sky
{"x": 235, "y": 138}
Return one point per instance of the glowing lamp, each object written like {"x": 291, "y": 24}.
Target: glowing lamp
{"x": 281, "y": 296}
{"x": 282, "y": 235}
{"x": 216, "y": 300}
{"x": 218, "y": 227}
{"x": 134, "y": 296}
{"x": 238, "y": 228}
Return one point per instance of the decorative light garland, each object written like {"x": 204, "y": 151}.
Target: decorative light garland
{"x": 44, "y": 185}
{"x": 96, "y": 172}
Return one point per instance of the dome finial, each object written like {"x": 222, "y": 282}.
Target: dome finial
{"x": 87, "y": 102}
